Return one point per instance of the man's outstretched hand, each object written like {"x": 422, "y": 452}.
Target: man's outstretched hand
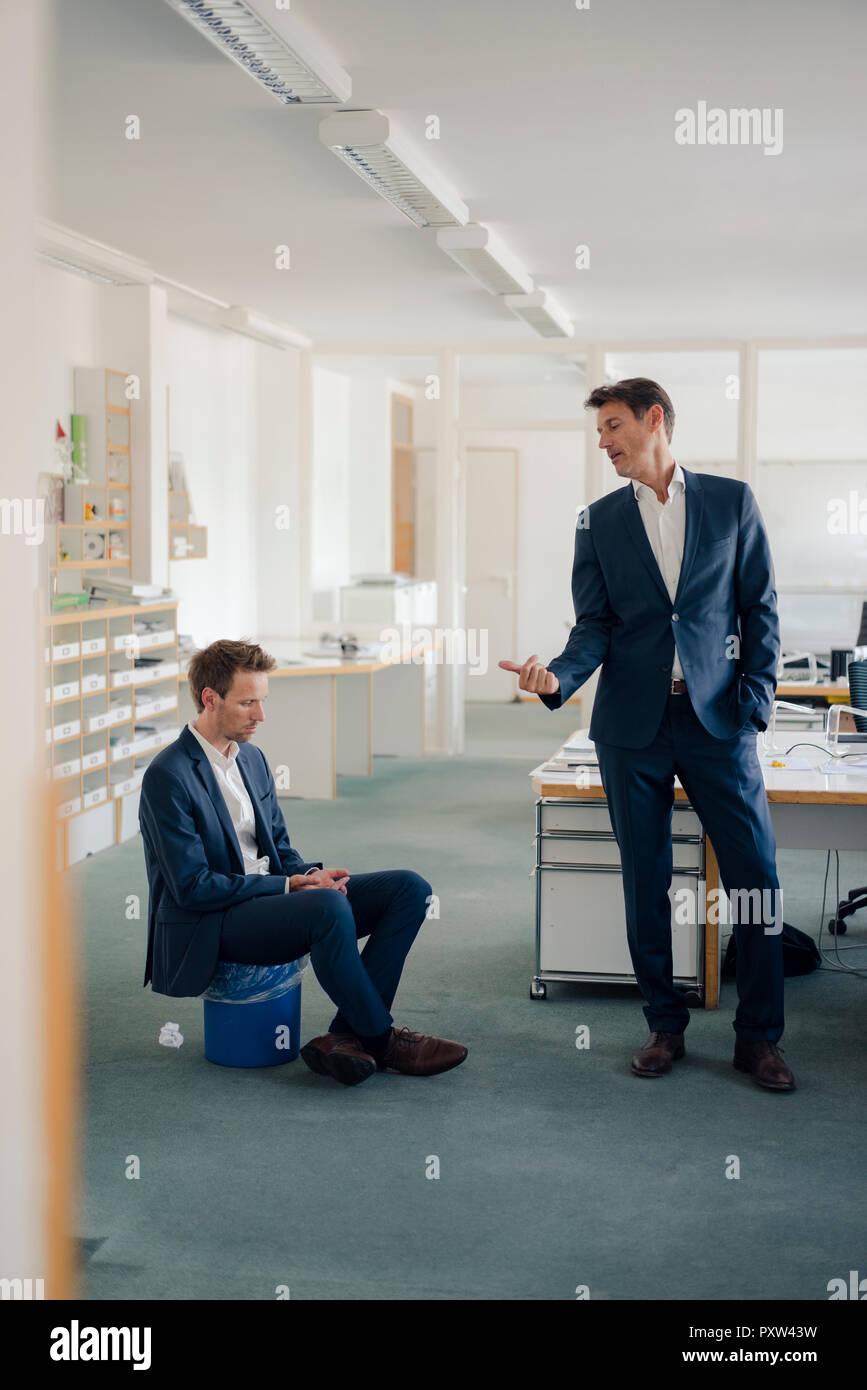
{"x": 320, "y": 878}
{"x": 533, "y": 676}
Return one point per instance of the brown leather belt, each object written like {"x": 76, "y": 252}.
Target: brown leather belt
{"x": 678, "y": 687}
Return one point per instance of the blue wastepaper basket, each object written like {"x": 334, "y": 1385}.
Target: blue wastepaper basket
{"x": 252, "y": 1014}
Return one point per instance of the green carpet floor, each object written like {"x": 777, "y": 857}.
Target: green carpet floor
{"x": 557, "y": 1167}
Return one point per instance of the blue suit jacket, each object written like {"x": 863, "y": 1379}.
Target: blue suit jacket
{"x": 724, "y": 613}
{"x": 193, "y": 859}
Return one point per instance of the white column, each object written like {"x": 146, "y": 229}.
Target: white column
{"x": 450, "y": 554}
{"x": 593, "y": 488}
{"x": 274, "y": 428}
{"x": 305, "y": 490}
{"x": 26, "y": 861}
{"x": 748, "y": 398}
{"x": 134, "y": 339}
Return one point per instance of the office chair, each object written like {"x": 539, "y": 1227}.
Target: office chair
{"x": 798, "y": 666}
{"x": 857, "y": 898}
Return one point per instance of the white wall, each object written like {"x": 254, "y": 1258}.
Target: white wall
{"x": 275, "y": 432}
{"x": 68, "y": 331}
{"x": 331, "y": 498}
{"x": 233, "y": 417}
{"x": 369, "y": 473}
{"x": 550, "y": 488}
{"x": 352, "y": 486}
{"x": 551, "y": 480}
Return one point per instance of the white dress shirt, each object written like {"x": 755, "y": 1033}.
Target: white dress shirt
{"x": 238, "y": 804}
{"x": 665, "y": 524}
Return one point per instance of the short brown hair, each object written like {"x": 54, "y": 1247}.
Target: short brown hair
{"x": 639, "y": 393}
{"x": 215, "y": 666}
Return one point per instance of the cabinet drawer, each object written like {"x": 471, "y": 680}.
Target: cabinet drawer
{"x": 590, "y": 849}
{"x": 592, "y": 818}
{"x": 582, "y": 924}
{"x": 65, "y": 651}
{"x": 578, "y": 849}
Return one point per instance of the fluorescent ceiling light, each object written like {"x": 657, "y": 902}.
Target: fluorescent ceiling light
{"x": 365, "y": 141}
{"x": 481, "y": 254}
{"x": 271, "y": 45}
{"x": 253, "y": 325}
{"x": 71, "y": 251}
{"x": 541, "y": 313}
{"x": 79, "y": 270}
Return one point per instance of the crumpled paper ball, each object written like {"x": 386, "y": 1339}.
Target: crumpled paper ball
{"x": 171, "y": 1035}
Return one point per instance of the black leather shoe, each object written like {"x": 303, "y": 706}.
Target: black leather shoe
{"x": 762, "y": 1061}
{"x": 655, "y": 1058}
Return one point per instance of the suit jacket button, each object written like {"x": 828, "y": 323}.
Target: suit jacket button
{"x": 675, "y": 617}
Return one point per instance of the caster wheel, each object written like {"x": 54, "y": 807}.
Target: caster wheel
{"x": 538, "y": 990}
{"x": 836, "y": 928}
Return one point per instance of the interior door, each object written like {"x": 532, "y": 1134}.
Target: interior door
{"x": 491, "y": 568}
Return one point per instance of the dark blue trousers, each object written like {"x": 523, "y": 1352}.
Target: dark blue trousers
{"x": 387, "y": 907}
{"x": 723, "y": 781}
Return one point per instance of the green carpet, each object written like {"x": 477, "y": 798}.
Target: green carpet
{"x": 557, "y": 1167}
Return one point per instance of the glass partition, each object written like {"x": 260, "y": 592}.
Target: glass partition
{"x": 704, "y": 388}
{"x": 811, "y": 484}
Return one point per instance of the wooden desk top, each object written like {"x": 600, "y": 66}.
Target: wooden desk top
{"x": 822, "y": 690}
{"x": 811, "y": 788}
{"x": 291, "y": 656}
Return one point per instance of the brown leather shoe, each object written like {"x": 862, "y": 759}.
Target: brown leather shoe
{"x": 416, "y": 1054}
{"x": 658, "y": 1053}
{"x": 765, "y": 1065}
{"x": 340, "y": 1055}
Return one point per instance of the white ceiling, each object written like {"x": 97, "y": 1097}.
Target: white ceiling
{"x": 557, "y": 128}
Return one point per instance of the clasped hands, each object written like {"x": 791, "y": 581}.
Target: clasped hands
{"x": 319, "y": 878}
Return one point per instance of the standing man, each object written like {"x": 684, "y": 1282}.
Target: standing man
{"x": 226, "y": 884}
{"x": 673, "y": 588}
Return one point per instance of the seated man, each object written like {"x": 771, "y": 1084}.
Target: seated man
{"x": 225, "y": 883}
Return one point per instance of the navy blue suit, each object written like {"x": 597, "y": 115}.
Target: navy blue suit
{"x": 203, "y": 907}
{"x": 724, "y": 617}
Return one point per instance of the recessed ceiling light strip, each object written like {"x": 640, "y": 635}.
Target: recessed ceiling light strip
{"x": 287, "y": 60}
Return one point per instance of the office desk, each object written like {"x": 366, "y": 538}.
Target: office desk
{"x": 328, "y": 715}
{"x": 809, "y": 810}
{"x": 821, "y": 690}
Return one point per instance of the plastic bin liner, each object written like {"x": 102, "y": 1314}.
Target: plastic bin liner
{"x": 232, "y": 983}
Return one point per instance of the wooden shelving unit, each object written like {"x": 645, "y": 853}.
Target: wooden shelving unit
{"x": 95, "y": 693}
{"x": 94, "y": 697}
{"x": 95, "y": 535}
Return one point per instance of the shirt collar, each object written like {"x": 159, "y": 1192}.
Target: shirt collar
{"x": 677, "y": 480}
{"x": 216, "y": 757}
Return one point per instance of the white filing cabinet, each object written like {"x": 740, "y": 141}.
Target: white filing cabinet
{"x": 580, "y": 912}
{"x": 412, "y": 602}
